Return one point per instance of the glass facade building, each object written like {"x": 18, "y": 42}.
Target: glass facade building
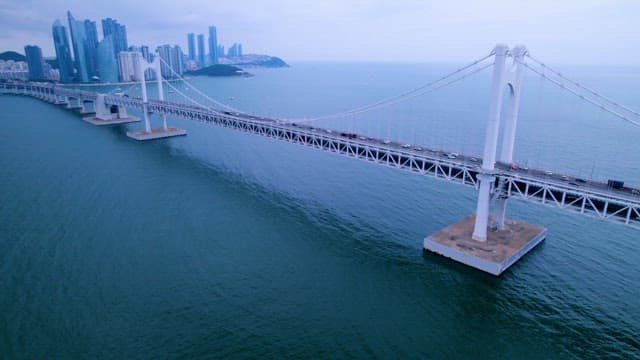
{"x": 201, "y": 50}
{"x": 107, "y": 64}
{"x": 78, "y": 40}
{"x": 191, "y": 43}
{"x": 63, "y": 51}
{"x": 35, "y": 62}
{"x": 213, "y": 45}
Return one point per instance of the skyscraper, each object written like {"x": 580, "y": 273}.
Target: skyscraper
{"x": 171, "y": 65}
{"x": 220, "y": 51}
{"x": 177, "y": 60}
{"x": 191, "y": 42}
{"x": 213, "y": 45}
{"x": 144, "y": 49}
{"x": 78, "y": 39}
{"x": 119, "y": 32}
{"x": 63, "y": 51}
{"x": 107, "y": 65}
{"x": 235, "y": 50}
{"x": 148, "y": 57}
{"x": 128, "y": 64}
{"x": 91, "y": 47}
{"x": 201, "y": 50}
{"x": 35, "y": 62}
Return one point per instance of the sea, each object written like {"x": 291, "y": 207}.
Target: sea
{"x": 223, "y": 244}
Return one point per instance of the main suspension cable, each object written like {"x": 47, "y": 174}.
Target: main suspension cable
{"x": 420, "y": 90}
{"x": 583, "y": 87}
{"x": 581, "y": 96}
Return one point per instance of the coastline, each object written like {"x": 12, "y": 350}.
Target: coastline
{"x": 116, "y": 83}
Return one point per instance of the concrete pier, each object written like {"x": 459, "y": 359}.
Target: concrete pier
{"x": 156, "y": 133}
{"x": 97, "y": 121}
{"x": 495, "y": 255}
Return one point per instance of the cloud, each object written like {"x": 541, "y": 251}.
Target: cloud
{"x": 376, "y": 30}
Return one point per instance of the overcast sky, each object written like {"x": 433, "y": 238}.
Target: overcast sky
{"x": 560, "y": 31}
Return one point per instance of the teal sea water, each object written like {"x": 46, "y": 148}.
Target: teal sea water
{"x": 227, "y": 245}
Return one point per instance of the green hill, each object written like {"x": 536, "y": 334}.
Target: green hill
{"x": 12, "y": 55}
{"x": 218, "y": 70}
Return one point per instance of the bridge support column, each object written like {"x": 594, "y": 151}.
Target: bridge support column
{"x": 74, "y": 103}
{"x": 511, "y": 120}
{"x": 469, "y": 240}
{"x": 90, "y": 107}
{"x": 122, "y": 112}
{"x": 491, "y": 143}
{"x": 482, "y": 207}
{"x": 83, "y": 108}
{"x": 499, "y": 211}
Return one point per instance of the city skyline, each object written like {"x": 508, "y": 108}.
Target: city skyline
{"x": 109, "y": 60}
{"x": 566, "y": 32}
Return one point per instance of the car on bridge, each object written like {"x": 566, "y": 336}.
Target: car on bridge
{"x": 349, "y": 135}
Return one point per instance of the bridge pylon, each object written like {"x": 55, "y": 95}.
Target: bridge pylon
{"x": 472, "y": 241}
{"x": 148, "y": 133}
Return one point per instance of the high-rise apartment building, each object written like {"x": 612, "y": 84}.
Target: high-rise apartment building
{"x": 107, "y": 64}
{"x": 63, "y": 51}
{"x": 129, "y": 65}
{"x": 171, "y": 65}
{"x": 119, "y": 32}
{"x": 91, "y": 48}
{"x": 191, "y": 44}
{"x": 78, "y": 40}
{"x": 201, "y": 50}
{"x": 148, "y": 57}
{"x": 235, "y": 50}
{"x": 35, "y": 62}
{"x": 213, "y": 45}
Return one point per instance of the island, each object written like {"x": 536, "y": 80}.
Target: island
{"x": 218, "y": 70}
{"x": 12, "y": 56}
{"x": 234, "y": 66}
{"x": 254, "y": 60}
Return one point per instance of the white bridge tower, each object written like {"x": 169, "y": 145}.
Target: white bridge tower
{"x": 506, "y": 77}
{"x": 148, "y": 133}
{"x": 470, "y": 241}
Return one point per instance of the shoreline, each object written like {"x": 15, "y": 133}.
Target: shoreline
{"x": 117, "y": 83}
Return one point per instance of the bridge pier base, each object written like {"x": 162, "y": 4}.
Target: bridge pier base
{"x": 109, "y": 114}
{"x": 502, "y": 248}
{"x": 160, "y": 133}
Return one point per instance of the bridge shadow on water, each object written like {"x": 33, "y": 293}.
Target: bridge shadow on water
{"x": 182, "y": 161}
{"x": 360, "y": 235}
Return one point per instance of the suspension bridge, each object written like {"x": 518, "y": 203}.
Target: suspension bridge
{"x": 485, "y": 240}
